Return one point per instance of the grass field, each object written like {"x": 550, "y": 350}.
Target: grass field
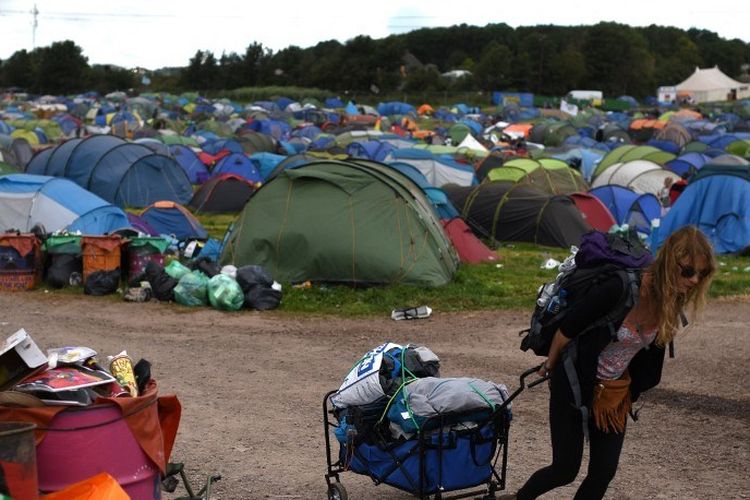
{"x": 510, "y": 283}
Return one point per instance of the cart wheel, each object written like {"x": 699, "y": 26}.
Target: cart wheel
{"x": 336, "y": 491}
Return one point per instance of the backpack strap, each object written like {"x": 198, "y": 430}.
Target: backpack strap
{"x": 570, "y": 358}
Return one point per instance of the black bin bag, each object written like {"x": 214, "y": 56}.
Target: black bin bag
{"x": 257, "y": 285}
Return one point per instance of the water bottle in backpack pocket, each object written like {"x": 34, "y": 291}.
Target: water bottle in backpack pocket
{"x": 600, "y": 257}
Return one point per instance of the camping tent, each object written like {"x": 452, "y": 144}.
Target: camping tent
{"x": 438, "y": 198}
{"x": 27, "y": 200}
{"x": 120, "y": 172}
{"x": 438, "y": 170}
{"x": 505, "y": 211}
{"x": 168, "y": 217}
{"x": 549, "y": 175}
{"x": 593, "y": 211}
{"x": 238, "y": 164}
{"x": 223, "y": 193}
{"x": 687, "y": 163}
{"x": 551, "y": 132}
{"x": 346, "y": 222}
{"x": 190, "y": 163}
{"x": 15, "y": 150}
{"x": 717, "y": 200}
{"x": 470, "y": 248}
{"x": 629, "y": 152}
{"x": 642, "y": 176}
{"x": 628, "y": 207}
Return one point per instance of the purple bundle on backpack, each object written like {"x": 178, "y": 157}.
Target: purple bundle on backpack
{"x": 599, "y": 248}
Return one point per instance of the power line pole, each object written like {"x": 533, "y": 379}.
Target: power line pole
{"x": 34, "y": 24}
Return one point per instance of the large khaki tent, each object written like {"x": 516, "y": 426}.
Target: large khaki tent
{"x": 708, "y": 85}
{"x": 346, "y": 222}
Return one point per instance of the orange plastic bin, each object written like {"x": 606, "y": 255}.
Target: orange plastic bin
{"x": 101, "y": 253}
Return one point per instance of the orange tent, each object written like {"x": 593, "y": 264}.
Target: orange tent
{"x": 516, "y": 129}
{"x": 647, "y": 123}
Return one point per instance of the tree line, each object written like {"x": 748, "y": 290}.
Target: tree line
{"x": 547, "y": 60}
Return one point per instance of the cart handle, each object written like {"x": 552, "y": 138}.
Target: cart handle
{"x": 523, "y": 385}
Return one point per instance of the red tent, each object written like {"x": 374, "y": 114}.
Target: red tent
{"x": 470, "y": 249}
{"x": 594, "y": 212}
{"x": 210, "y": 160}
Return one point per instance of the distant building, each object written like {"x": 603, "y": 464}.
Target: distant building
{"x": 666, "y": 94}
{"x": 456, "y": 74}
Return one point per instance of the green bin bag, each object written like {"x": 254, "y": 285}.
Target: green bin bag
{"x": 225, "y": 293}
{"x": 176, "y": 270}
{"x": 192, "y": 289}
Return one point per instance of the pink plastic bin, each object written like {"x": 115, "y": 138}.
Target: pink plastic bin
{"x": 81, "y": 443}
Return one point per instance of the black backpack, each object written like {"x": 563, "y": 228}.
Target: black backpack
{"x": 601, "y": 256}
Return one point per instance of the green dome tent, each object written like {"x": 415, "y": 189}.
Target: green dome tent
{"x": 343, "y": 222}
{"x": 254, "y": 142}
{"x": 547, "y": 174}
{"x": 171, "y": 139}
{"x": 552, "y": 133}
{"x": 458, "y": 132}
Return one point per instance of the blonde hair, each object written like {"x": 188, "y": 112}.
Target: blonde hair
{"x": 686, "y": 246}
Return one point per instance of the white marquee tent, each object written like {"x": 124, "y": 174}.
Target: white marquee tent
{"x": 708, "y": 85}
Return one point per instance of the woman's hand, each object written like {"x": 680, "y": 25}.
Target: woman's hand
{"x": 558, "y": 342}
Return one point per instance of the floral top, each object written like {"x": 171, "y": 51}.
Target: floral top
{"x": 616, "y": 356}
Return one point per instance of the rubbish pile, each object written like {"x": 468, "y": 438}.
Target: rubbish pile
{"x": 150, "y": 267}
{"x": 65, "y": 376}
{"x": 203, "y": 283}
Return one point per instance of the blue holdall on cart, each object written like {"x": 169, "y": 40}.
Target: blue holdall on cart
{"x": 399, "y": 465}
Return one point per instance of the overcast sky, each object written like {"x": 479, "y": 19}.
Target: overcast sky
{"x": 157, "y": 33}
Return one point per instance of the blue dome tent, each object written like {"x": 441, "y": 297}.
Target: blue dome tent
{"x": 120, "y": 172}
{"x": 266, "y": 162}
{"x": 167, "y": 217}
{"x": 238, "y": 164}
{"x": 437, "y": 196}
{"x": 26, "y": 200}
{"x": 687, "y": 163}
{"x": 190, "y": 163}
{"x": 629, "y": 207}
{"x": 717, "y": 200}
{"x": 371, "y": 150}
{"x": 214, "y": 146}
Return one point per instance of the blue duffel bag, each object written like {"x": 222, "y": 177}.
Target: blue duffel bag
{"x": 463, "y": 460}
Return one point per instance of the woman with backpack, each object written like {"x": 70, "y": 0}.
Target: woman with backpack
{"x": 595, "y": 378}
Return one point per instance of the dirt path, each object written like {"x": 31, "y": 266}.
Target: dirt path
{"x": 252, "y": 384}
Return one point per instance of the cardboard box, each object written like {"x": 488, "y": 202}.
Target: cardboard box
{"x": 19, "y": 358}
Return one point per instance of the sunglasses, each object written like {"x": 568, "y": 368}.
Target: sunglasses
{"x": 689, "y": 271}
